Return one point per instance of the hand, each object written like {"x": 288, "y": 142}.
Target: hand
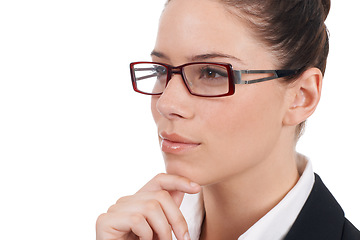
{"x": 152, "y": 213}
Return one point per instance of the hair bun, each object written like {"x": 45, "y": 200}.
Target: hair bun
{"x": 326, "y": 7}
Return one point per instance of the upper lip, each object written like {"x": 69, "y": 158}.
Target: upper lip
{"x": 173, "y": 137}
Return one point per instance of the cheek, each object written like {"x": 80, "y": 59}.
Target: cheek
{"x": 237, "y": 132}
{"x": 245, "y": 129}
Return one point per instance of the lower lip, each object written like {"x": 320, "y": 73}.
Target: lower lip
{"x": 177, "y": 147}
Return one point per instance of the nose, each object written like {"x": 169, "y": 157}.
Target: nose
{"x": 175, "y": 102}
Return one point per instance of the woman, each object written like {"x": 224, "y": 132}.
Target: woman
{"x": 228, "y": 135}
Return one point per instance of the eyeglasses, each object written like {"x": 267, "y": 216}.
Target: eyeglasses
{"x": 203, "y": 79}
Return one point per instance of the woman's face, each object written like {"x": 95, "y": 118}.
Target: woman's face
{"x": 210, "y": 140}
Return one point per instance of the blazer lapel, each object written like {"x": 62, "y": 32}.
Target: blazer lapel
{"x": 320, "y": 218}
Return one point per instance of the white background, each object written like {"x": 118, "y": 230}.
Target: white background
{"x": 74, "y": 137}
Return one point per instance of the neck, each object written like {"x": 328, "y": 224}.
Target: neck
{"x": 243, "y": 199}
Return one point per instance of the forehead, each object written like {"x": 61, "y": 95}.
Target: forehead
{"x": 189, "y": 27}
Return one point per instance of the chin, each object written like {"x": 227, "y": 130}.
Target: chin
{"x": 184, "y": 169}
{"x": 194, "y": 174}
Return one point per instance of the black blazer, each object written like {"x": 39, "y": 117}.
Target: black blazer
{"x": 322, "y": 218}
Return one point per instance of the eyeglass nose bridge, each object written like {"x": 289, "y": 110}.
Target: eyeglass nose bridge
{"x": 173, "y": 71}
{"x": 179, "y": 71}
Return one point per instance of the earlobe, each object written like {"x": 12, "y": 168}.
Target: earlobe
{"x": 305, "y": 96}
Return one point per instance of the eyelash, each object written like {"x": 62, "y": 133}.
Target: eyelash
{"x": 207, "y": 70}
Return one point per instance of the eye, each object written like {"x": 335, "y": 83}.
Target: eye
{"x": 212, "y": 73}
{"x": 160, "y": 70}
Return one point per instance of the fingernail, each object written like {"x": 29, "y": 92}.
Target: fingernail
{"x": 194, "y": 185}
{"x": 187, "y": 236}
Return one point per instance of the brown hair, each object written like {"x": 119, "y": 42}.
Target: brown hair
{"x": 294, "y": 30}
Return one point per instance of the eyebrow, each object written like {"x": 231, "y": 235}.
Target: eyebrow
{"x": 207, "y": 56}
{"x": 159, "y": 55}
{"x": 200, "y": 57}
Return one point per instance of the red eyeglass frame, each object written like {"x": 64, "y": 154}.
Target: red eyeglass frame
{"x": 234, "y": 76}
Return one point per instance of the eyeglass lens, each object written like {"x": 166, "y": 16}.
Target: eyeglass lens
{"x": 202, "y": 79}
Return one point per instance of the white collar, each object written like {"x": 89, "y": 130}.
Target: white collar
{"x": 275, "y": 224}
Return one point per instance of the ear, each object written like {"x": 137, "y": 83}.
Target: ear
{"x": 304, "y": 97}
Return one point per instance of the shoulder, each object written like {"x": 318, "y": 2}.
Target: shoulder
{"x": 350, "y": 232}
{"x": 322, "y": 218}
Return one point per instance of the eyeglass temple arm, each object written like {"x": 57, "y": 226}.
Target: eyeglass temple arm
{"x": 146, "y": 76}
{"x": 276, "y": 74}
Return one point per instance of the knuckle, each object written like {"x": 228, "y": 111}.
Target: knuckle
{"x": 163, "y": 194}
{"x": 151, "y": 205}
{"x": 136, "y": 219}
{"x": 122, "y": 199}
{"x": 160, "y": 175}
{"x": 112, "y": 208}
{"x": 100, "y": 220}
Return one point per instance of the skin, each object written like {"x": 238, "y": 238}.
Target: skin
{"x": 244, "y": 158}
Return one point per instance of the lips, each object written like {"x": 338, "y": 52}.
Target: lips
{"x": 176, "y": 144}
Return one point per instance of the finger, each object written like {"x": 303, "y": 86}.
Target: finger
{"x": 169, "y": 182}
{"x": 157, "y": 220}
{"x": 158, "y": 208}
{"x": 173, "y": 214}
{"x": 177, "y": 197}
{"x": 176, "y": 185}
{"x": 111, "y": 226}
{"x": 142, "y": 229}
{"x": 148, "y": 203}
